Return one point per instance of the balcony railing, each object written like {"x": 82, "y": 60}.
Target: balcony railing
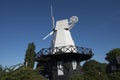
{"x": 63, "y": 50}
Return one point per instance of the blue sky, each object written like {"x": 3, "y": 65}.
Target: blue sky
{"x": 25, "y": 21}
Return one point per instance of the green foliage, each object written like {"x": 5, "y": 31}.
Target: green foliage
{"x": 93, "y": 66}
{"x": 111, "y": 55}
{"x": 30, "y": 55}
{"x": 114, "y": 76}
{"x": 94, "y": 70}
{"x": 0, "y": 68}
{"x": 78, "y": 77}
{"x": 23, "y": 73}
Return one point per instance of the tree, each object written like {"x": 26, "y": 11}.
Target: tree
{"x": 111, "y": 55}
{"x": 22, "y": 73}
{"x": 30, "y": 55}
{"x": 3, "y": 73}
{"x": 114, "y": 76}
{"x": 0, "y": 68}
{"x": 94, "y": 70}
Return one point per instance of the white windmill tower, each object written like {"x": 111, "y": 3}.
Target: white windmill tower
{"x": 61, "y": 33}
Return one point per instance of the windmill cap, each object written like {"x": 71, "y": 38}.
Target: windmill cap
{"x": 62, "y": 24}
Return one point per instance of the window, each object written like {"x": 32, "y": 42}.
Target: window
{"x": 60, "y": 68}
{"x": 74, "y": 65}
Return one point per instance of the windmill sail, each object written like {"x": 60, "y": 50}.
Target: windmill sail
{"x": 53, "y": 24}
{"x": 48, "y": 35}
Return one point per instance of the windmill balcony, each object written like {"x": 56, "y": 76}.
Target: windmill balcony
{"x": 66, "y": 51}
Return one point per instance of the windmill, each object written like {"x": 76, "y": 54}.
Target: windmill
{"x": 61, "y": 61}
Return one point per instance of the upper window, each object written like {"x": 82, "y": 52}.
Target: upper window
{"x": 74, "y": 65}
